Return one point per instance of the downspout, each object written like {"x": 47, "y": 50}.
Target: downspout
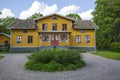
{"x": 10, "y": 39}
{"x": 95, "y": 39}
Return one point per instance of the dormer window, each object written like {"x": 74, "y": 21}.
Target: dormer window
{"x": 82, "y": 31}
{"x": 25, "y": 30}
{"x": 54, "y": 18}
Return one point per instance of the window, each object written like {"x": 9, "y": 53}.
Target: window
{"x": 78, "y": 39}
{"x": 45, "y": 37}
{"x": 54, "y": 18}
{"x": 82, "y": 31}
{"x": 6, "y": 43}
{"x": 19, "y": 39}
{"x": 54, "y": 27}
{"x": 64, "y": 27}
{"x": 63, "y": 37}
{"x": 30, "y": 39}
{"x": 87, "y": 39}
{"x": 44, "y": 27}
{"x": 25, "y": 31}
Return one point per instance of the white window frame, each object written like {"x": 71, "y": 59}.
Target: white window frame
{"x": 87, "y": 39}
{"x": 19, "y": 39}
{"x": 30, "y": 36}
{"x": 53, "y": 25}
{"x": 65, "y": 39}
{"x": 64, "y": 27}
{"x": 54, "y": 18}
{"x": 82, "y": 30}
{"x": 25, "y": 30}
{"x": 44, "y": 27}
{"x": 43, "y": 37}
{"x": 78, "y": 39}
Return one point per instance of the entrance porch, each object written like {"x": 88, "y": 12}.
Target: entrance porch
{"x": 54, "y": 39}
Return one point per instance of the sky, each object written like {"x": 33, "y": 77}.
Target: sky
{"x": 23, "y": 9}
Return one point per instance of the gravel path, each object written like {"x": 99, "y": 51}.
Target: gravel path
{"x": 98, "y": 68}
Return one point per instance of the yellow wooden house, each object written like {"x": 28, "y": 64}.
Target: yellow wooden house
{"x": 52, "y": 31}
{"x": 4, "y": 39}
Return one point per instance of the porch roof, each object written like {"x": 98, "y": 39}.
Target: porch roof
{"x": 51, "y": 32}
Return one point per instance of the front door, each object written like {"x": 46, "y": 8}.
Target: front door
{"x": 54, "y": 40}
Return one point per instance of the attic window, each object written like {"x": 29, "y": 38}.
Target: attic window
{"x": 82, "y": 31}
{"x": 25, "y": 30}
{"x": 54, "y": 18}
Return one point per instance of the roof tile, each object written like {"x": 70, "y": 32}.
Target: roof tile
{"x": 23, "y": 24}
{"x": 84, "y": 24}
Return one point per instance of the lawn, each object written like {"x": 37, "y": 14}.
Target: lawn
{"x": 108, "y": 54}
{"x": 1, "y": 56}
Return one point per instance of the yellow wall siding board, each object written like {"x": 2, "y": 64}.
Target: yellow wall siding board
{"x": 16, "y": 33}
{"x": 49, "y": 21}
{"x": 77, "y": 32}
{"x": 3, "y": 38}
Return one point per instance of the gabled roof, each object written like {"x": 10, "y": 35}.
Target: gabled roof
{"x": 23, "y": 24}
{"x": 55, "y": 15}
{"x": 7, "y": 35}
{"x": 84, "y": 24}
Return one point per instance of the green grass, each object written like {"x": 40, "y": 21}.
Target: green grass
{"x": 1, "y": 56}
{"x": 108, "y": 54}
{"x": 55, "y": 60}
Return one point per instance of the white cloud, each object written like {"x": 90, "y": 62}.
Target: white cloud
{"x": 86, "y": 15}
{"x": 6, "y": 13}
{"x": 69, "y": 9}
{"x": 38, "y": 7}
{"x": 45, "y": 9}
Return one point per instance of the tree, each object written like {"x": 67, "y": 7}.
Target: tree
{"x": 36, "y": 15}
{"x": 107, "y": 17}
{"x": 4, "y": 22}
{"x": 0, "y": 12}
{"x": 74, "y": 16}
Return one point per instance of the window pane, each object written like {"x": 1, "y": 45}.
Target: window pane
{"x": 54, "y": 18}
{"x": 54, "y": 26}
{"x": 25, "y": 31}
{"x": 64, "y": 27}
{"x": 82, "y": 31}
{"x": 44, "y": 26}
{"x": 30, "y": 39}
{"x": 78, "y": 39}
{"x": 19, "y": 39}
{"x": 87, "y": 39}
{"x": 45, "y": 37}
{"x": 63, "y": 37}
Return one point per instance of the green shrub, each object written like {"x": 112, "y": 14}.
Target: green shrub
{"x": 43, "y": 56}
{"x": 115, "y": 46}
{"x": 80, "y": 63}
{"x": 71, "y": 67}
{"x": 55, "y": 60}
{"x": 67, "y": 57}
